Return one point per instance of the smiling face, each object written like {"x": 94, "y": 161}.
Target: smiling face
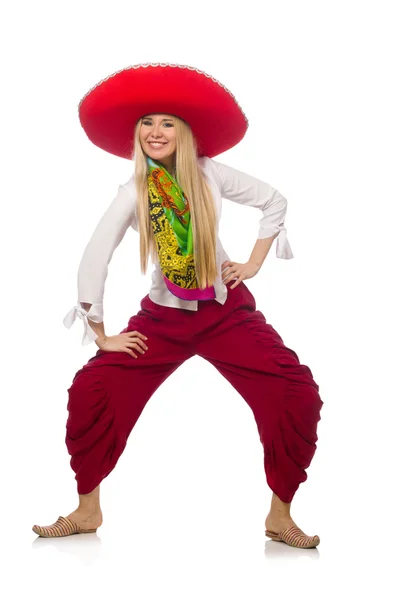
{"x": 158, "y": 138}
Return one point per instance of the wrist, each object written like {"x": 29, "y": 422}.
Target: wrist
{"x": 257, "y": 265}
{"x": 101, "y": 339}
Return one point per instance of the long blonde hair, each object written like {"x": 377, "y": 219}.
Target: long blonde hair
{"x": 202, "y": 208}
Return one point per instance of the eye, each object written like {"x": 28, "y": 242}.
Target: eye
{"x": 149, "y": 123}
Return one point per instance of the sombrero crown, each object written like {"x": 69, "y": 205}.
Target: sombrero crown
{"x": 109, "y": 111}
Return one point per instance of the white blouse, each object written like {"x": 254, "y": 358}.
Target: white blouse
{"x": 225, "y": 182}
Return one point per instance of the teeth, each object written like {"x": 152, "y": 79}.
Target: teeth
{"x": 156, "y": 144}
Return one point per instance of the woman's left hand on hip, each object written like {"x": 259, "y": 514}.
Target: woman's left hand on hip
{"x": 234, "y": 270}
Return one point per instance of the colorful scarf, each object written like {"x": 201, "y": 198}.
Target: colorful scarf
{"x": 172, "y": 227}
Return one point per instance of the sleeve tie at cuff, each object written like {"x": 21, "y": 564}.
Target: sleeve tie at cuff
{"x": 95, "y": 314}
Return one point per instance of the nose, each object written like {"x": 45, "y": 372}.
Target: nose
{"x": 156, "y": 130}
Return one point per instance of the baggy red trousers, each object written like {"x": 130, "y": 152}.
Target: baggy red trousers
{"x": 109, "y": 393}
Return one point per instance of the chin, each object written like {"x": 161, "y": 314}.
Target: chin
{"x": 158, "y": 156}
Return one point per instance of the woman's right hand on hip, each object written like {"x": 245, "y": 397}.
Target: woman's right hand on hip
{"x": 123, "y": 342}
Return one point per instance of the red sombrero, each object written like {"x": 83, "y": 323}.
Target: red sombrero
{"x": 109, "y": 111}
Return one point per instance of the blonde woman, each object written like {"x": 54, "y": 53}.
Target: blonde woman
{"x": 171, "y": 120}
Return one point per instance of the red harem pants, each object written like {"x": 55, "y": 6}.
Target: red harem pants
{"x": 109, "y": 393}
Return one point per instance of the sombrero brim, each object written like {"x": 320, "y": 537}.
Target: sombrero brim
{"x": 109, "y": 111}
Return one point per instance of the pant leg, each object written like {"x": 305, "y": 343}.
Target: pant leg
{"x": 109, "y": 393}
{"x": 281, "y": 392}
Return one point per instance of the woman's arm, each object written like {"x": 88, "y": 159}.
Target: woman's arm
{"x": 261, "y": 250}
{"x": 242, "y": 188}
{"x": 93, "y": 268}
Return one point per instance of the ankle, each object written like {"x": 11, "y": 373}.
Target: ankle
{"x": 280, "y": 513}
{"x": 92, "y": 509}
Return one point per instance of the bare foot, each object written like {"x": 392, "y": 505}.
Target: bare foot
{"x": 86, "y": 519}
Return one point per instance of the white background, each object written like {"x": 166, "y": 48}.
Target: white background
{"x": 184, "y": 509}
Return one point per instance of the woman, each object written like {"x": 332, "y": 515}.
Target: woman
{"x": 197, "y": 304}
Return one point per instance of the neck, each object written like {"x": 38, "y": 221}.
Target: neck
{"x": 169, "y": 164}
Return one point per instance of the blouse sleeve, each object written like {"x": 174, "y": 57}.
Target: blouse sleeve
{"x": 242, "y": 188}
{"x": 93, "y": 269}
